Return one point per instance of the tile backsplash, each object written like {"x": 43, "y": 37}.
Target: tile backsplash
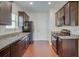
{"x": 73, "y": 29}
{"x": 4, "y": 30}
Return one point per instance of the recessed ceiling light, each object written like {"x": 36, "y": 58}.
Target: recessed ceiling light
{"x": 49, "y": 3}
{"x": 31, "y": 3}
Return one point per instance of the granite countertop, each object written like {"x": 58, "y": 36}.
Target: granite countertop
{"x": 11, "y": 39}
{"x": 72, "y": 36}
{"x": 69, "y": 37}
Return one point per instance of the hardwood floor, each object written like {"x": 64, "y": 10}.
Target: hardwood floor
{"x": 40, "y": 49}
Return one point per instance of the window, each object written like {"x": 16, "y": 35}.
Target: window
{"x": 13, "y": 22}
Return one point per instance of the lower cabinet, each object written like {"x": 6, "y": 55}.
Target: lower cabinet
{"x": 16, "y": 49}
{"x": 30, "y": 38}
{"x": 5, "y": 52}
{"x": 67, "y": 48}
{"x": 27, "y": 42}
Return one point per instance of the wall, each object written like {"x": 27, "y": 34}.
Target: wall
{"x": 40, "y": 20}
{"x": 44, "y": 22}
{"x": 3, "y": 29}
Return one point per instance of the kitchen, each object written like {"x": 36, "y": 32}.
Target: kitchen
{"x": 22, "y": 23}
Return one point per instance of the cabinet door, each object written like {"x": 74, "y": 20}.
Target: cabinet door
{"x": 57, "y": 16}
{"x": 62, "y": 19}
{"x": 5, "y": 52}
{"x": 17, "y": 49}
{"x": 26, "y": 42}
{"x": 62, "y": 12}
{"x": 27, "y": 18}
{"x": 74, "y": 13}
{"x": 67, "y": 16}
{"x": 70, "y": 48}
{"x": 24, "y": 15}
{"x": 21, "y": 47}
{"x": 66, "y": 48}
{"x": 5, "y": 13}
{"x": 78, "y": 13}
{"x": 59, "y": 47}
{"x": 20, "y": 19}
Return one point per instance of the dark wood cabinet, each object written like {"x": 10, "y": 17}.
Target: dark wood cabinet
{"x": 56, "y": 19}
{"x": 60, "y": 17}
{"x": 74, "y": 13}
{"x": 15, "y": 49}
{"x": 67, "y": 14}
{"x": 5, "y": 52}
{"x": 18, "y": 48}
{"x": 59, "y": 47}
{"x": 57, "y": 16}
{"x": 22, "y": 18}
{"x": 26, "y": 17}
{"x": 78, "y": 13}
{"x": 68, "y": 48}
{"x": 5, "y": 12}
{"x": 26, "y": 42}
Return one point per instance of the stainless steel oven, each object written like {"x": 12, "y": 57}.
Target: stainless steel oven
{"x": 54, "y": 41}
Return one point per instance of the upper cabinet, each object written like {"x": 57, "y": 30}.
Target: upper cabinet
{"x": 60, "y": 17}
{"x": 78, "y": 13}
{"x": 74, "y": 13}
{"x": 5, "y": 13}
{"x": 57, "y": 16}
{"x": 22, "y": 18}
{"x": 69, "y": 14}
{"x": 67, "y": 18}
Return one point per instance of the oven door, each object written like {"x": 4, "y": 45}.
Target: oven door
{"x": 54, "y": 42}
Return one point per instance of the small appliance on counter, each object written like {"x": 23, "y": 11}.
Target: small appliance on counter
{"x": 65, "y": 32}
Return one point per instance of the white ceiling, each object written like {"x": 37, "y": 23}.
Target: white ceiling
{"x": 40, "y": 5}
